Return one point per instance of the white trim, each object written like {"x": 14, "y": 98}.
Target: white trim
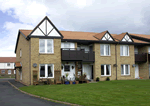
{"x": 45, "y": 41}
{"x": 124, "y": 50}
{"x": 105, "y": 50}
{"x": 46, "y": 70}
{"x": 20, "y": 53}
{"x": 105, "y": 69}
{"x": 8, "y": 71}
{"x": 124, "y": 68}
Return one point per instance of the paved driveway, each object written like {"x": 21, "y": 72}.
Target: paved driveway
{"x": 9, "y": 96}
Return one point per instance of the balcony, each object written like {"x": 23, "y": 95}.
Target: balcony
{"x": 141, "y": 57}
{"x": 77, "y": 55}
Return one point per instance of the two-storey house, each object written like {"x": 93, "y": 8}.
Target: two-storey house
{"x": 7, "y": 66}
{"x": 51, "y": 53}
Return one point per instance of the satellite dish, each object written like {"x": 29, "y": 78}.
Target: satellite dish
{"x": 34, "y": 65}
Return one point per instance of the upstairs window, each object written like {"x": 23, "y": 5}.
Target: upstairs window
{"x": 105, "y": 49}
{"x": 46, "y": 46}
{"x": 124, "y": 50}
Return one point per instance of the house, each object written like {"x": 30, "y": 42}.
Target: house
{"x": 7, "y": 66}
{"x": 51, "y": 53}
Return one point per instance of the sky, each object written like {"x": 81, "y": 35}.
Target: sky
{"x": 116, "y": 16}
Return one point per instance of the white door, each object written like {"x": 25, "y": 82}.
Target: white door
{"x": 88, "y": 70}
{"x": 20, "y": 74}
{"x": 136, "y": 71}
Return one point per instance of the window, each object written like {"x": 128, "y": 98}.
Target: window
{"x": 3, "y": 71}
{"x": 9, "y": 71}
{"x": 20, "y": 53}
{"x": 125, "y": 69}
{"x": 46, "y": 70}
{"x": 105, "y": 70}
{"x": 105, "y": 49}
{"x": 8, "y": 64}
{"x": 46, "y": 46}
{"x": 67, "y": 68}
{"x": 124, "y": 50}
{"x": 14, "y": 71}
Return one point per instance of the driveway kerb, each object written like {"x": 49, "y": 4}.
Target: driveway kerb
{"x": 42, "y": 97}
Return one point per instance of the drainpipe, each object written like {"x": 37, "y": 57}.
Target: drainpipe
{"x": 116, "y": 59}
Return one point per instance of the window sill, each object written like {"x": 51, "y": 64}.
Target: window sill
{"x": 106, "y": 56}
{"x": 125, "y": 75}
{"x": 125, "y": 56}
{"x": 45, "y": 78}
{"x": 105, "y": 75}
{"x": 46, "y": 53}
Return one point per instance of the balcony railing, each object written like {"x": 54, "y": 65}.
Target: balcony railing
{"x": 72, "y": 54}
{"x": 140, "y": 57}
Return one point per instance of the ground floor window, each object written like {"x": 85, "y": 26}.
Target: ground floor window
{"x": 3, "y": 71}
{"x": 14, "y": 71}
{"x": 46, "y": 70}
{"x": 125, "y": 69}
{"x": 105, "y": 70}
{"x": 9, "y": 71}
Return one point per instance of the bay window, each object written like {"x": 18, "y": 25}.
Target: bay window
{"x": 125, "y": 69}
{"x": 46, "y": 70}
{"x": 46, "y": 46}
{"x": 105, "y": 70}
{"x": 124, "y": 50}
{"x": 105, "y": 49}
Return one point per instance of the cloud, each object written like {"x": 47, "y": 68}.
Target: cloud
{"x": 76, "y": 15}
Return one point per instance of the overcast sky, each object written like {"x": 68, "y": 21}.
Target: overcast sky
{"x": 116, "y": 16}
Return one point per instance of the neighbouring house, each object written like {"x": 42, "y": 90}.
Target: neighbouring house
{"x": 52, "y": 53}
{"x": 7, "y": 66}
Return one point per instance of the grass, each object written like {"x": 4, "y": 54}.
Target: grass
{"x": 104, "y": 93}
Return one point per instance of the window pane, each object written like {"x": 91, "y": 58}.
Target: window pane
{"x": 121, "y": 50}
{"x": 107, "y": 69}
{"x": 42, "y": 45}
{"x": 3, "y": 71}
{"x": 102, "y": 49}
{"x": 126, "y": 50}
{"x": 122, "y": 71}
{"x": 49, "y": 45}
{"x": 9, "y": 71}
{"x": 42, "y": 70}
{"x": 107, "y": 49}
{"x": 67, "y": 68}
{"x": 102, "y": 69}
{"x": 50, "y": 72}
{"x": 126, "y": 69}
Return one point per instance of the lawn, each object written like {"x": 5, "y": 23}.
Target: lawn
{"x": 103, "y": 93}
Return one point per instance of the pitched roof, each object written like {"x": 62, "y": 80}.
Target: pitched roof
{"x": 7, "y": 59}
{"x": 78, "y": 35}
{"x": 100, "y": 35}
{"x": 141, "y": 35}
{"x": 91, "y": 35}
{"x": 18, "y": 64}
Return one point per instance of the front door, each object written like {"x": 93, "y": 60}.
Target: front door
{"x": 136, "y": 71}
{"x": 88, "y": 70}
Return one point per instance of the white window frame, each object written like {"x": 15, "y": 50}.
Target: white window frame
{"x": 8, "y": 71}
{"x": 8, "y": 63}
{"x": 46, "y": 70}
{"x": 45, "y": 40}
{"x": 105, "y": 69}
{"x": 105, "y": 50}
{"x": 2, "y": 70}
{"x": 124, "y": 50}
{"x": 20, "y": 53}
{"x": 124, "y": 68}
